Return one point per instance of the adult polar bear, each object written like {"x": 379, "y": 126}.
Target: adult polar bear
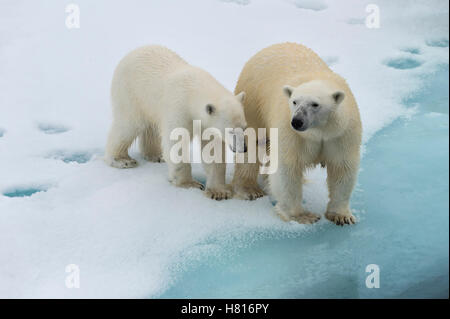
{"x": 154, "y": 91}
{"x": 290, "y": 88}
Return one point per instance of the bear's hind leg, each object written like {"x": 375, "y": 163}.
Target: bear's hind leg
{"x": 180, "y": 173}
{"x": 120, "y": 138}
{"x": 215, "y": 178}
{"x": 150, "y": 144}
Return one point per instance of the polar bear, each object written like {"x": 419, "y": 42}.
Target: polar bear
{"x": 154, "y": 91}
{"x": 290, "y": 88}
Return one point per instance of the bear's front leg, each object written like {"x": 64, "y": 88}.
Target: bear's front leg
{"x": 341, "y": 180}
{"x": 215, "y": 182}
{"x": 286, "y": 188}
{"x": 180, "y": 173}
{"x": 216, "y": 187}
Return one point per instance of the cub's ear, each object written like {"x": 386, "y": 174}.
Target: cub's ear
{"x": 210, "y": 109}
{"x": 241, "y": 96}
{"x": 338, "y": 97}
{"x": 288, "y": 90}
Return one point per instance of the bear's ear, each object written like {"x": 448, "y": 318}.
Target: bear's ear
{"x": 288, "y": 90}
{"x": 241, "y": 96}
{"x": 210, "y": 109}
{"x": 338, "y": 97}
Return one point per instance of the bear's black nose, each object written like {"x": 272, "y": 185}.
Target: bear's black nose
{"x": 297, "y": 123}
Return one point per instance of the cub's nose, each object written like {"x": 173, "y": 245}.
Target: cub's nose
{"x": 297, "y": 124}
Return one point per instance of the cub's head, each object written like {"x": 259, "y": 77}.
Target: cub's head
{"x": 312, "y": 103}
{"x": 227, "y": 115}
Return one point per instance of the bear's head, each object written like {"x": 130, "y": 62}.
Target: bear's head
{"x": 226, "y": 114}
{"x": 312, "y": 103}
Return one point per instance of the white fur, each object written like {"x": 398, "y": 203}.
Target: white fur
{"x": 155, "y": 91}
{"x": 282, "y": 83}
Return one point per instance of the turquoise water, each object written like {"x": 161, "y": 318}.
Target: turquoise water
{"x": 402, "y": 203}
{"x": 404, "y": 63}
{"x": 52, "y": 129}
{"x": 80, "y": 157}
{"x": 23, "y": 192}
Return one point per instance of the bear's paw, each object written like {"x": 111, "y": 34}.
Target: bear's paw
{"x": 341, "y": 219}
{"x": 154, "y": 158}
{"x": 191, "y": 184}
{"x": 248, "y": 191}
{"x": 123, "y": 162}
{"x": 303, "y": 217}
{"x": 219, "y": 193}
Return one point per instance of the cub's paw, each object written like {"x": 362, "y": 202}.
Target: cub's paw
{"x": 304, "y": 217}
{"x": 192, "y": 184}
{"x": 341, "y": 219}
{"x": 248, "y": 191}
{"x": 154, "y": 158}
{"x": 122, "y": 162}
{"x": 219, "y": 193}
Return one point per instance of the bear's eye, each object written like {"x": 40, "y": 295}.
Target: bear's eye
{"x": 294, "y": 102}
{"x": 314, "y": 104}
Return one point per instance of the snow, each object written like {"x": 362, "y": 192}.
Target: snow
{"x": 134, "y": 235}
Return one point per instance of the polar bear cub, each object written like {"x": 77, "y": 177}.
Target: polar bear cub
{"x": 290, "y": 88}
{"x": 154, "y": 91}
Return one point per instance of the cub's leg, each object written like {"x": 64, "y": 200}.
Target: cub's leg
{"x": 180, "y": 173}
{"x": 341, "y": 180}
{"x": 215, "y": 177}
{"x": 286, "y": 188}
{"x": 120, "y": 138}
{"x": 150, "y": 144}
